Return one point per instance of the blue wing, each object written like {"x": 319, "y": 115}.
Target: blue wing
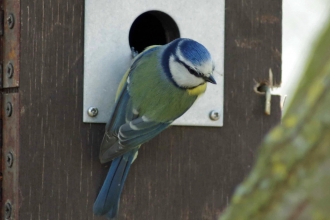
{"x": 125, "y": 132}
{"x": 127, "y": 129}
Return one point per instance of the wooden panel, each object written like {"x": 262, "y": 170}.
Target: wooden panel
{"x": 186, "y": 172}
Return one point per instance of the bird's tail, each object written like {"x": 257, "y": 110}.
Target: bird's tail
{"x": 107, "y": 202}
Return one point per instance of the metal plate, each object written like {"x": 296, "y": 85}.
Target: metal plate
{"x": 11, "y": 42}
{"x": 108, "y": 55}
{"x": 10, "y": 155}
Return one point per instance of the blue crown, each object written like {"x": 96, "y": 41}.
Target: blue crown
{"x": 194, "y": 51}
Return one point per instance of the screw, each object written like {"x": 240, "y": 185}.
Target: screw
{"x": 10, "y": 70}
{"x": 92, "y": 111}
{"x": 9, "y": 109}
{"x": 10, "y": 20}
{"x": 9, "y": 159}
{"x": 8, "y": 210}
{"x": 214, "y": 115}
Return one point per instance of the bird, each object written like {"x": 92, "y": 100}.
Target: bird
{"x": 161, "y": 84}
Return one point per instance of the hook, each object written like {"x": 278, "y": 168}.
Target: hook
{"x": 268, "y": 101}
{"x": 266, "y": 88}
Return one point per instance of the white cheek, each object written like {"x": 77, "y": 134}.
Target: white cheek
{"x": 182, "y": 76}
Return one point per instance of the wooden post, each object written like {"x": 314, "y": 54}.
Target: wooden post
{"x": 185, "y": 172}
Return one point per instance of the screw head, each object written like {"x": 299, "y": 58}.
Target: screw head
{"x": 8, "y": 210}
{"x": 214, "y": 115}
{"x": 10, "y": 70}
{"x": 10, "y": 20}
{"x": 9, "y": 109}
{"x": 92, "y": 111}
{"x": 9, "y": 159}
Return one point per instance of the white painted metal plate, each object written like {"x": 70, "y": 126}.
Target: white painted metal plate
{"x": 108, "y": 56}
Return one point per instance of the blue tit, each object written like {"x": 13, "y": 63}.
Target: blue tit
{"x": 161, "y": 85}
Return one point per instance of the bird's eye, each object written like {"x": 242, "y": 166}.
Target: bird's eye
{"x": 193, "y": 71}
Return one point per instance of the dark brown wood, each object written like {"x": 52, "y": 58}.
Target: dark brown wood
{"x": 176, "y": 175}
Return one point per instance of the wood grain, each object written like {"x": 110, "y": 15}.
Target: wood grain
{"x": 176, "y": 175}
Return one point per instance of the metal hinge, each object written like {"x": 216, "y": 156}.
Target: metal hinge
{"x": 11, "y": 29}
{"x": 9, "y": 104}
{"x": 10, "y": 155}
{"x": 1, "y": 41}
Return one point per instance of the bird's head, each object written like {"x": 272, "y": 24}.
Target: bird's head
{"x": 190, "y": 64}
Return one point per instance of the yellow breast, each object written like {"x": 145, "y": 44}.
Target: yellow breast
{"x": 197, "y": 90}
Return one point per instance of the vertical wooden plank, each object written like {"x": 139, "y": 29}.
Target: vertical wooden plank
{"x": 60, "y": 168}
{"x": 184, "y": 173}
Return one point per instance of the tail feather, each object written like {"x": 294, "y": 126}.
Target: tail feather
{"x": 108, "y": 199}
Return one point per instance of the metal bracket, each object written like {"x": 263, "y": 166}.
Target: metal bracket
{"x": 10, "y": 155}
{"x": 108, "y": 53}
{"x": 9, "y": 77}
{"x": 11, "y": 44}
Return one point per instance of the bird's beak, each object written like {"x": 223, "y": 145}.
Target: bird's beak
{"x": 210, "y": 79}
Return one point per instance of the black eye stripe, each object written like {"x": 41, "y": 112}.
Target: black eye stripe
{"x": 191, "y": 70}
